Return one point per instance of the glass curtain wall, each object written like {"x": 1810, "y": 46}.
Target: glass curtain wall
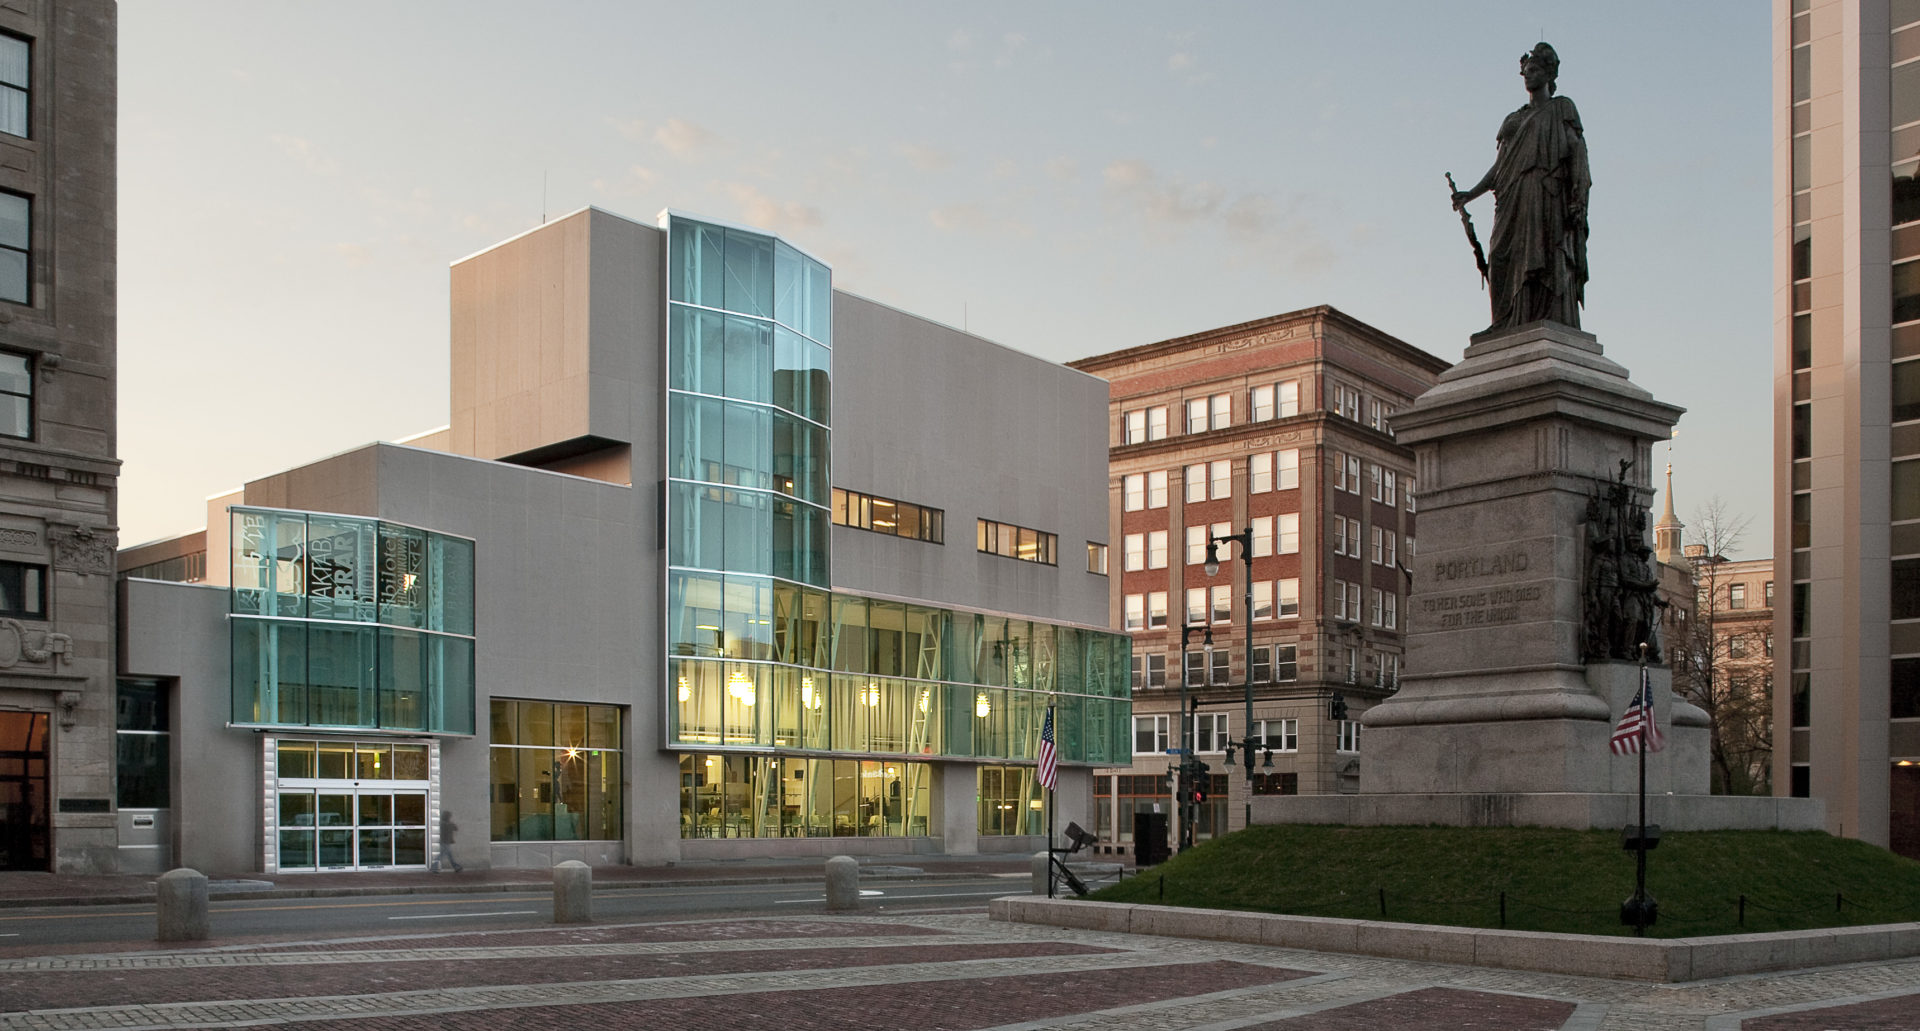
{"x": 556, "y": 771}
{"x": 761, "y": 796}
{"x": 348, "y": 622}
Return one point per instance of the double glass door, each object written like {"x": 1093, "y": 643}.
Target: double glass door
{"x": 346, "y": 805}
{"x": 352, "y": 828}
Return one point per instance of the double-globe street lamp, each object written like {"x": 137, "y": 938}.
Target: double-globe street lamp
{"x": 1245, "y": 539}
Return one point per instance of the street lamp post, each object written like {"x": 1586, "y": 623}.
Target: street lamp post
{"x": 1245, "y": 539}
{"x": 1182, "y": 792}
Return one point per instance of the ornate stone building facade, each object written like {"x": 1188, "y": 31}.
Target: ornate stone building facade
{"x": 57, "y": 466}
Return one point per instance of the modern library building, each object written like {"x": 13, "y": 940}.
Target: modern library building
{"x": 674, "y": 582}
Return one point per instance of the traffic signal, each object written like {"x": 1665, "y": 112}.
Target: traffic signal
{"x": 1337, "y": 707}
{"x": 1199, "y": 796}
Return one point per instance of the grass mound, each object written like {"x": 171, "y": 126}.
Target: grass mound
{"x": 1551, "y": 880}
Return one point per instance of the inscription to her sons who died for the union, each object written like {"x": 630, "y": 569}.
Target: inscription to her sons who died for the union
{"x": 1462, "y": 598}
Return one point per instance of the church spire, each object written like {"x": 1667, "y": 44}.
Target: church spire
{"x": 1667, "y": 533}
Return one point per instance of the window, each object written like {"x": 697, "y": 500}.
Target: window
{"x": 1767, "y": 593}
{"x": 1221, "y": 659}
{"x": 1196, "y": 545}
{"x": 1378, "y": 412}
{"x": 1412, "y": 485}
{"x": 556, "y": 774}
{"x": 1196, "y": 483}
{"x": 1388, "y": 479}
{"x": 1204, "y": 413}
{"x": 1011, "y": 541}
{"x": 1373, "y": 480}
{"x": 1222, "y": 411}
{"x": 1736, "y": 596}
{"x": 16, "y": 394}
{"x": 1349, "y": 736}
{"x": 1149, "y": 735}
{"x": 1288, "y": 597}
{"x": 1346, "y": 402}
{"x": 1286, "y": 666}
{"x": 1210, "y": 732}
{"x": 1288, "y": 533}
{"x": 1737, "y": 647}
{"x": 1144, "y": 424}
{"x": 1221, "y": 530}
{"x": 1286, "y": 469}
{"x": 1096, "y": 558}
{"x": 885, "y": 515}
{"x": 1389, "y": 671}
{"x": 1385, "y": 550}
{"x": 1346, "y": 536}
{"x": 1156, "y": 609}
{"x": 1263, "y": 599}
{"x": 1259, "y": 473}
{"x": 1276, "y": 401}
{"x": 1136, "y": 553}
{"x": 1340, "y": 472}
{"x": 1346, "y": 601}
{"x": 1279, "y": 735}
{"x": 142, "y": 744}
{"x": 1262, "y": 536}
{"x": 1390, "y": 613}
{"x": 1157, "y": 549}
{"x": 1149, "y": 671}
{"x": 16, "y": 77}
{"x": 1133, "y": 489}
{"x": 1197, "y": 415}
{"x": 1157, "y": 489}
{"x": 23, "y": 590}
{"x": 1223, "y": 604}
{"x": 16, "y": 248}
{"x": 1220, "y": 481}
{"x": 1196, "y": 605}
{"x": 1196, "y": 668}
{"x": 1376, "y": 606}
{"x": 1136, "y": 609}
{"x": 1353, "y": 474}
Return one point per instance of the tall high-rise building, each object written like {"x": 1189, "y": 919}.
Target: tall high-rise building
{"x": 1846, "y": 102}
{"x": 57, "y": 467}
{"x": 1278, "y": 426}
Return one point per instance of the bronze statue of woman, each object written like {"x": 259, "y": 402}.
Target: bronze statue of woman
{"x": 1537, "y": 265}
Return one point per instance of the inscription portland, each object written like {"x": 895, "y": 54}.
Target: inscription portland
{"x": 1493, "y": 605}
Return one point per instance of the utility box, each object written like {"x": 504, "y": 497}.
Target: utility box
{"x": 1149, "y": 838}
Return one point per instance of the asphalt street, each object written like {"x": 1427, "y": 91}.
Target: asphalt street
{"x": 382, "y": 914}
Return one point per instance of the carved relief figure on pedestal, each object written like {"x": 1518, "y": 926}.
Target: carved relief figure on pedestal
{"x": 1622, "y": 600}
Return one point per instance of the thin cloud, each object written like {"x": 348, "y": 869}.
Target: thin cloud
{"x": 304, "y": 151}
{"x": 759, "y": 209}
{"x": 973, "y": 218}
{"x": 1180, "y": 62}
{"x": 685, "y": 140}
{"x": 925, "y": 158}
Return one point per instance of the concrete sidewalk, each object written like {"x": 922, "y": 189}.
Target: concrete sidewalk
{"x": 19, "y": 889}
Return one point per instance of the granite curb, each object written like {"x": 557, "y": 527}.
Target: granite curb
{"x": 119, "y": 896}
{"x": 1658, "y": 960}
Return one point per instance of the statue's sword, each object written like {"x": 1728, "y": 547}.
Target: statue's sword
{"x": 1466, "y": 220}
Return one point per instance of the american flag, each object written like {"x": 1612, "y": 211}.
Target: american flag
{"x": 1626, "y": 734}
{"x": 1049, "y": 758}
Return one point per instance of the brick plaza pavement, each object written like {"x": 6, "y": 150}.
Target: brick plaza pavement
{"x": 874, "y": 972}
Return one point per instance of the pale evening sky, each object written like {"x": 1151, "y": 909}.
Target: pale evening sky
{"x": 1063, "y": 178}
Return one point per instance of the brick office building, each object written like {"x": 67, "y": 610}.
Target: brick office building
{"x": 1278, "y": 427}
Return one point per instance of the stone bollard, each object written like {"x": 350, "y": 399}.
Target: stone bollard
{"x": 1040, "y": 872}
{"x": 572, "y": 892}
{"x": 843, "y": 884}
{"x": 182, "y": 899}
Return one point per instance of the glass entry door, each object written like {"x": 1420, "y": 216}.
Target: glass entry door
{"x": 23, "y": 791}
{"x": 375, "y": 820}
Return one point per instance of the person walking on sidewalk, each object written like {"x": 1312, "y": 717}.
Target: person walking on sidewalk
{"x": 447, "y": 827}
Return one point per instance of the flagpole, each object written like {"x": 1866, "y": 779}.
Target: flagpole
{"x": 1640, "y": 873}
{"x": 1050, "y": 808}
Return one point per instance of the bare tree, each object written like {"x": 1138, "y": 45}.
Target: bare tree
{"x": 1707, "y": 661}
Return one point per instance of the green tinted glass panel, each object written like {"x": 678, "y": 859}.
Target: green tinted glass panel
{"x": 452, "y": 584}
